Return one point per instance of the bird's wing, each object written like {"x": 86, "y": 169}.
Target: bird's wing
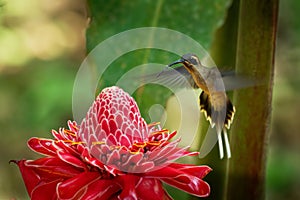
{"x": 176, "y": 77}
{"x": 179, "y": 78}
{"x": 229, "y": 79}
{"x": 236, "y": 81}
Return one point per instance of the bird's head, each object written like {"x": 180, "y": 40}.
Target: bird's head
{"x": 188, "y": 60}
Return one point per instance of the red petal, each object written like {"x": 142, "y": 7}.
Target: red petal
{"x": 149, "y": 189}
{"x": 58, "y": 135}
{"x": 73, "y": 126}
{"x": 45, "y": 191}
{"x": 51, "y": 168}
{"x": 112, "y": 126}
{"x": 76, "y": 187}
{"x": 124, "y": 140}
{"x": 143, "y": 167}
{"x": 30, "y": 178}
{"x": 111, "y": 140}
{"x": 102, "y": 190}
{"x": 105, "y": 126}
{"x": 68, "y": 158}
{"x": 42, "y": 146}
{"x": 91, "y": 160}
{"x": 198, "y": 171}
{"x": 113, "y": 158}
{"x": 184, "y": 181}
{"x": 132, "y": 162}
{"x": 67, "y": 147}
{"x": 128, "y": 183}
{"x": 195, "y": 187}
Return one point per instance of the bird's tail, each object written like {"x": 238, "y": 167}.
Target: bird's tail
{"x": 221, "y": 116}
{"x": 219, "y": 111}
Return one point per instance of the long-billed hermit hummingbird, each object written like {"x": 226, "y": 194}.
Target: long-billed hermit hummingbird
{"x": 214, "y": 102}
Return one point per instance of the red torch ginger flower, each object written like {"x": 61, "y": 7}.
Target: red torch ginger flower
{"x": 113, "y": 154}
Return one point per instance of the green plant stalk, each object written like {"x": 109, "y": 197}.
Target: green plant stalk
{"x": 249, "y": 133}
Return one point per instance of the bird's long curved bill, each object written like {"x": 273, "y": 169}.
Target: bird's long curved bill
{"x": 176, "y": 62}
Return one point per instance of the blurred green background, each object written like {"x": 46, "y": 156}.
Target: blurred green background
{"x": 42, "y": 44}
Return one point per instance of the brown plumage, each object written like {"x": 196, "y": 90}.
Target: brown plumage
{"x": 214, "y": 102}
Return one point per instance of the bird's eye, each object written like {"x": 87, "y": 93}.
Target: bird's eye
{"x": 194, "y": 60}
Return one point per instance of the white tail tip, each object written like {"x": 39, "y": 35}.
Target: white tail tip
{"x": 221, "y": 150}
{"x": 227, "y": 145}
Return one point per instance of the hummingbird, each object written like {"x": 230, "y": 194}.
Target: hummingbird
{"x": 213, "y": 100}
{"x": 214, "y": 103}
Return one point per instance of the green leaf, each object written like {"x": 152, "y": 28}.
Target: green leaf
{"x": 197, "y": 19}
